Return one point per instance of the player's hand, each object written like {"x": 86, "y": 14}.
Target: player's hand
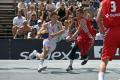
{"x": 52, "y": 35}
{"x": 68, "y": 38}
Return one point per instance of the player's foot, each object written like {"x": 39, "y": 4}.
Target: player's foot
{"x": 69, "y": 68}
{"x": 84, "y": 61}
{"x": 41, "y": 68}
{"x": 33, "y": 54}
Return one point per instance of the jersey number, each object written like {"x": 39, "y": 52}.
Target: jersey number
{"x": 113, "y": 6}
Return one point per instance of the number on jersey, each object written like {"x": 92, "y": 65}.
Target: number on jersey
{"x": 113, "y": 6}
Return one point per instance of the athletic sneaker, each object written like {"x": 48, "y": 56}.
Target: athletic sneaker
{"x": 84, "y": 61}
{"x": 69, "y": 68}
{"x": 41, "y": 68}
{"x": 33, "y": 54}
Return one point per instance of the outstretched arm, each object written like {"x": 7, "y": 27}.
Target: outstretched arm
{"x": 99, "y": 19}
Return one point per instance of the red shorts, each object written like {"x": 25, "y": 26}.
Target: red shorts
{"x": 84, "y": 45}
{"x": 111, "y": 43}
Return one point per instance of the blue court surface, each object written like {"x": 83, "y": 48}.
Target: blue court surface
{"x": 27, "y": 70}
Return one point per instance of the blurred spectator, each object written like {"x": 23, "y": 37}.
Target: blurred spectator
{"x": 27, "y": 1}
{"x": 69, "y": 3}
{"x": 62, "y": 12}
{"x": 67, "y": 24}
{"x": 17, "y": 22}
{"x": 38, "y": 26}
{"x": 32, "y": 34}
{"x": 35, "y": 29}
{"x": 29, "y": 13}
{"x": 22, "y": 6}
{"x": 33, "y": 4}
{"x": 96, "y": 4}
{"x": 55, "y": 1}
{"x": 71, "y": 10}
{"x": 33, "y": 20}
{"x": 41, "y": 1}
{"x": 42, "y": 13}
{"x": 58, "y": 4}
{"x": 22, "y": 32}
{"x": 85, "y": 3}
{"x": 50, "y": 6}
{"x": 79, "y": 3}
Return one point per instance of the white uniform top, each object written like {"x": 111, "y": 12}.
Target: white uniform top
{"x": 53, "y": 29}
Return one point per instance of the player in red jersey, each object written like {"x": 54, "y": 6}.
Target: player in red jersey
{"x": 109, "y": 14}
{"x": 85, "y": 38}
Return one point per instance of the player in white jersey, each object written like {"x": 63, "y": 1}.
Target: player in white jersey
{"x": 55, "y": 29}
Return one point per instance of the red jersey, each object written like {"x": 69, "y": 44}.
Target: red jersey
{"x": 89, "y": 28}
{"x": 111, "y": 13}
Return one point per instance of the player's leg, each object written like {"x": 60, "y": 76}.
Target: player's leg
{"x": 86, "y": 45}
{"x": 72, "y": 57}
{"x": 45, "y": 50}
{"x": 33, "y": 54}
{"x": 42, "y": 56}
{"x": 48, "y": 49}
{"x": 102, "y": 69}
{"x": 107, "y": 55}
{"x": 85, "y": 48}
{"x": 108, "y": 52}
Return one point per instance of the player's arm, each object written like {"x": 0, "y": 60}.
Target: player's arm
{"x": 77, "y": 31}
{"x": 99, "y": 19}
{"x": 44, "y": 27}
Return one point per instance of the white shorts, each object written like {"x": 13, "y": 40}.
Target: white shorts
{"x": 50, "y": 44}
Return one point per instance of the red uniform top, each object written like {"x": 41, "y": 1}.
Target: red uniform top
{"x": 111, "y": 13}
{"x": 89, "y": 27}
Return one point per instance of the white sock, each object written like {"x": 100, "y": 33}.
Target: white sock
{"x": 101, "y": 76}
{"x": 41, "y": 62}
{"x": 71, "y": 62}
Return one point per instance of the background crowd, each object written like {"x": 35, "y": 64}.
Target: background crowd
{"x": 32, "y": 14}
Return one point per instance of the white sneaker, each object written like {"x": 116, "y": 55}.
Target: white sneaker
{"x": 33, "y": 54}
{"x": 41, "y": 68}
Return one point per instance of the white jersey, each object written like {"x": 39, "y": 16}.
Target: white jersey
{"x": 53, "y": 29}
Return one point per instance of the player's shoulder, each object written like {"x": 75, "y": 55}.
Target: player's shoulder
{"x": 105, "y": 1}
{"x": 16, "y": 17}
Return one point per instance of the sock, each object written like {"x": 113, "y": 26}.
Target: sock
{"x": 101, "y": 76}
{"x": 71, "y": 62}
{"x": 41, "y": 62}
